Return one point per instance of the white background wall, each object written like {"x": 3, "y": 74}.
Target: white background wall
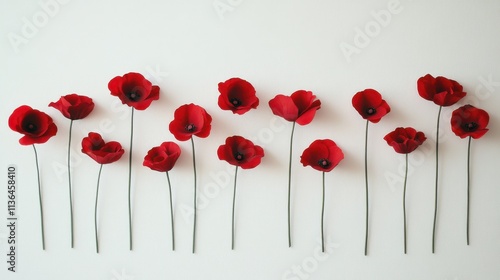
{"x": 187, "y": 47}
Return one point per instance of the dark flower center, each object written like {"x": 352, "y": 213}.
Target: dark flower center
{"x": 134, "y": 95}
{"x": 239, "y": 156}
{"x": 190, "y": 127}
{"x": 236, "y": 102}
{"x": 472, "y": 126}
{"x": 324, "y": 163}
{"x": 371, "y": 111}
{"x": 159, "y": 158}
{"x": 30, "y": 127}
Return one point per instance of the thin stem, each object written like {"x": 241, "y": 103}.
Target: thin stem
{"x": 130, "y": 179}
{"x": 290, "y": 185}
{"x": 468, "y": 188}
{"x": 437, "y": 177}
{"x": 322, "y": 216}
{"x": 194, "y": 198}
{"x": 234, "y": 202}
{"x": 366, "y": 188}
{"x": 404, "y": 203}
{"x": 95, "y": 211}
{"x": 39, "y": 197}
{"x": 69, "y": 183}
{"x": 171, "y": 212}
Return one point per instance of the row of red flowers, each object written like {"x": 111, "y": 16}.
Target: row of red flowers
{"x": 239, "y": 96}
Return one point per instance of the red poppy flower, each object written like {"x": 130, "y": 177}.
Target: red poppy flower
{"x": 163, "y": 157}
{"x": 370, "y": 105}
{"x": 100, "y": 151}
{"x": 440, "y": 90}
{"x": 300, "y": 107}
{"x": 469, "y": 121}
{"x": 237, "y": 95}
{"x": 134, "y": 90}
{"x": 405, "y": 140}
{"x": 443, "y": 92}
{"x": 74, "y": 106}
{"x": 137, "y": 92}
{"x": 322, "y": 155}
{"x": 36, "y": 126}
{"x": 189, "y": 120}
{"x": 241, "y": 152}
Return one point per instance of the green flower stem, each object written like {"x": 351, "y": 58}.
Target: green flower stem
{"x": 322, "y": 216}
{"x": 130, "y": 179}
{"x": 95, "y": 211}
{"x": 468, "y": 188}
{"x": 69, "y": 184}
{"x": 404, "y": 203}
{"x": 171, "y": 212}
{"x": 39, "y": 197}
{"x": 234, "y": 202}
{"x": 366, "y": 188}
{"x": 194, "y": 198}
{"x": 436, "y": 184}
{"x": 290, "y": 184}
